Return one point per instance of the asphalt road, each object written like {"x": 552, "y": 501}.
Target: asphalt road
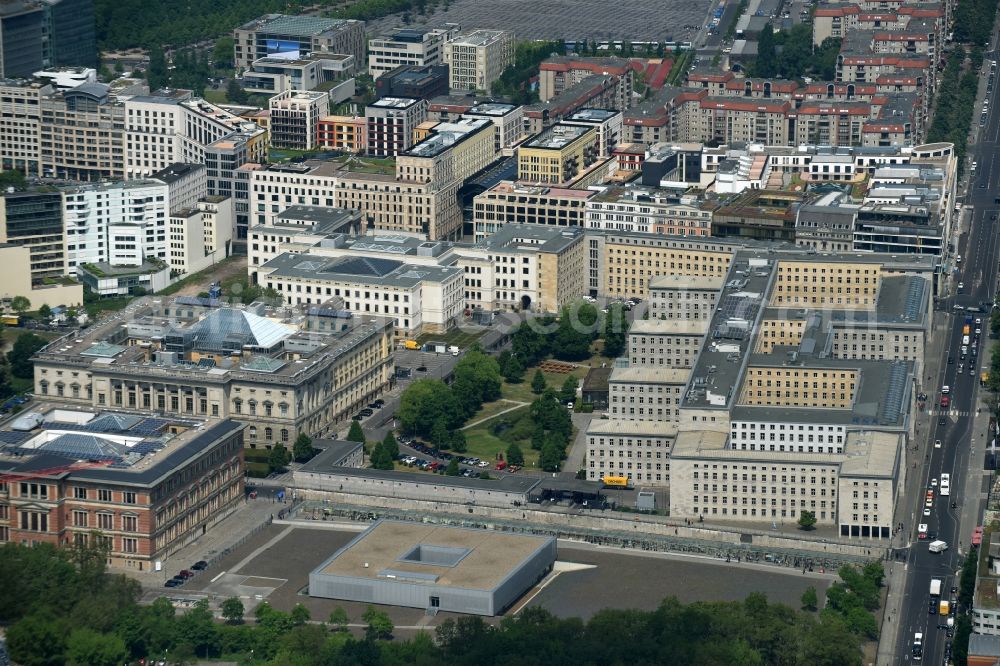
{"x": 980, "y": 250}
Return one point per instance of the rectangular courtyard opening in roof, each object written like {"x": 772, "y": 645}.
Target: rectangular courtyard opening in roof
{"x": 439, "y": 556}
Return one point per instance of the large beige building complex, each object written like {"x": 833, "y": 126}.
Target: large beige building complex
{"x": 279, "y": 374}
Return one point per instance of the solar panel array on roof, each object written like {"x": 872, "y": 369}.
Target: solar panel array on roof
{"x": 740, "y": 305}
{"x": 893, "y": 400}
{"x": 149, "y": 426}
{"x": 13, "y": 437}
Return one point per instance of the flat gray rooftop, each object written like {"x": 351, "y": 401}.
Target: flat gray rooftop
{"x": 452, "y": 556}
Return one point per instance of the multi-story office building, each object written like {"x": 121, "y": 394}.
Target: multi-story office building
{"x": 476, "y": 59}
{"x": 20, "y": 125}
{"x": 72, "y": 35}
{"x": 33, "y": 218}
{"x": 294, "y": 118}
{"x": 670, "y": 343}
{"x": 640, "y": 393}
{"x": 187, "y": 184}
{"x": 508, "y": 119}
{"x": 558, "y": 155}
{"x": 416, "y": 299}
{"x": 518, "y": 203}
{"x": 521, "y": 267}
{"x": 637, "y": 450}
{"x": 298, "y": 229}
{"x": 223, "y": 159}
{"x": 416, "y": 81}
{"x": 524, "y": 267}
{"x": 296, "y": 36}
{"x": 119, "y": 223}
{"x": 558, "y": 74}
{"x": 607, "y": 122}
{"x": 281, "y": 374}
{"x": 408, "y": 47}
{"x": 35, "y": 34}
{"x": 391, "y": 122}
{"x": 200, "y": 236}
{"x": 346, "y": 133}
{"x": 171, "y": 480}
{"x": 168, "y": 128}
{"x": 82, "y": 134}
{"x": 648, "y": 210}
{"x": 274, "y": 75}
{"x": 683, "y": 297}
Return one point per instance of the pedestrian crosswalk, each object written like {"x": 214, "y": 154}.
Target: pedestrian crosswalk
{"x": 953, "y": 413}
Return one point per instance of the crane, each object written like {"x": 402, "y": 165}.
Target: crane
{"x": 14, "y": 477}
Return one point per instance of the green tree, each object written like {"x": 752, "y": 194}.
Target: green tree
{"x": 457, "y": 442}
{"x": 538, "y": 382}
{"x": 476, "y": 379}
{"x": 86, "y": 647}
{"x": 157, "y": 74}
{"x": 222, "y": 52}
{"x": 513, "y": 370}
{"x": 302, "y": 449}
{"x": 356, "y": 434}
{"x": 572, "y": 341}
{"x": 766, "y": 64}
{"x": 807, "y": 520}
{"x": 232, "y": 610}
{"x": 37, "y": 640}
{"x": 452, "y": 469}
{"x": 12, "y": 178}
{"x": 45, "y": 312}
{"x": 197, "y": 627}
{"x": 390, "y": 445}
{"x": 19, "y": 357}
{"x": 615, "y": 333}
{"x": 380, "y": 458}
{"x": 379, "y": 625}
{"x": 20, "y": 304}
{"x": 339, "y": 619}
{"x": 810, "y": 600}
{"x": 279, "y": 457}
{"x": 235, "y": 92}
{"x": 567, "y": 393}
{"x": 300, "y": 614}
{"x": 514, "y": 455}
{"x": 440, "y": 435}
{"x": 550, "y": 458}
{"x": 424, "y": 403}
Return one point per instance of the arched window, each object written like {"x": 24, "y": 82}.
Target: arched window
{"x": 268, "y": 434}
{"x": 252, "y": 432}
{"x": 284, "y": 434}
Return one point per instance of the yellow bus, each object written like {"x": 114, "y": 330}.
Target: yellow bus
{"x": 616, "y": 481}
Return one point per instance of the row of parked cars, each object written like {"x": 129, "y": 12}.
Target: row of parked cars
{"x": 370, "y": 409}
{"x": 182, "y": 577}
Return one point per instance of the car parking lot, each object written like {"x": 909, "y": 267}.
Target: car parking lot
{"x": 421, "y": 456}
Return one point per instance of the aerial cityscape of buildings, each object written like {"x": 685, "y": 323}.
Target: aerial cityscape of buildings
{"x": 807, "y": 266}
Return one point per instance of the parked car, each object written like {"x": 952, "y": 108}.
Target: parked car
{"x": 200, "y": 565}
{"x": 172, "y": 583}
{"x": 185, "y": 574}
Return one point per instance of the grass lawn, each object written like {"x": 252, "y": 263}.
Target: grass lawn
{"x": 482, "y": 443}
{"x": 522, "y": 391}
{"x": 459, "y": 338}
{"x": 21, "y": 385}
{"x": 216, "y": 96}
{"x": 491, "y": 409}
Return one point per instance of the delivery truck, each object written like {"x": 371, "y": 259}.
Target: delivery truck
{"x": 937, "y": 546}
{"x": 944, "y": 608}
{"x": 935, "y": 587}
{"x": 411, "y": 344}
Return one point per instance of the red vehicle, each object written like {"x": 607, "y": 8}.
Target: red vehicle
{"x": 945, "y": 401}
{"x": 501, "y": 465}
{"x": 434, "y": 466}
{"x": 977, "y": 536}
